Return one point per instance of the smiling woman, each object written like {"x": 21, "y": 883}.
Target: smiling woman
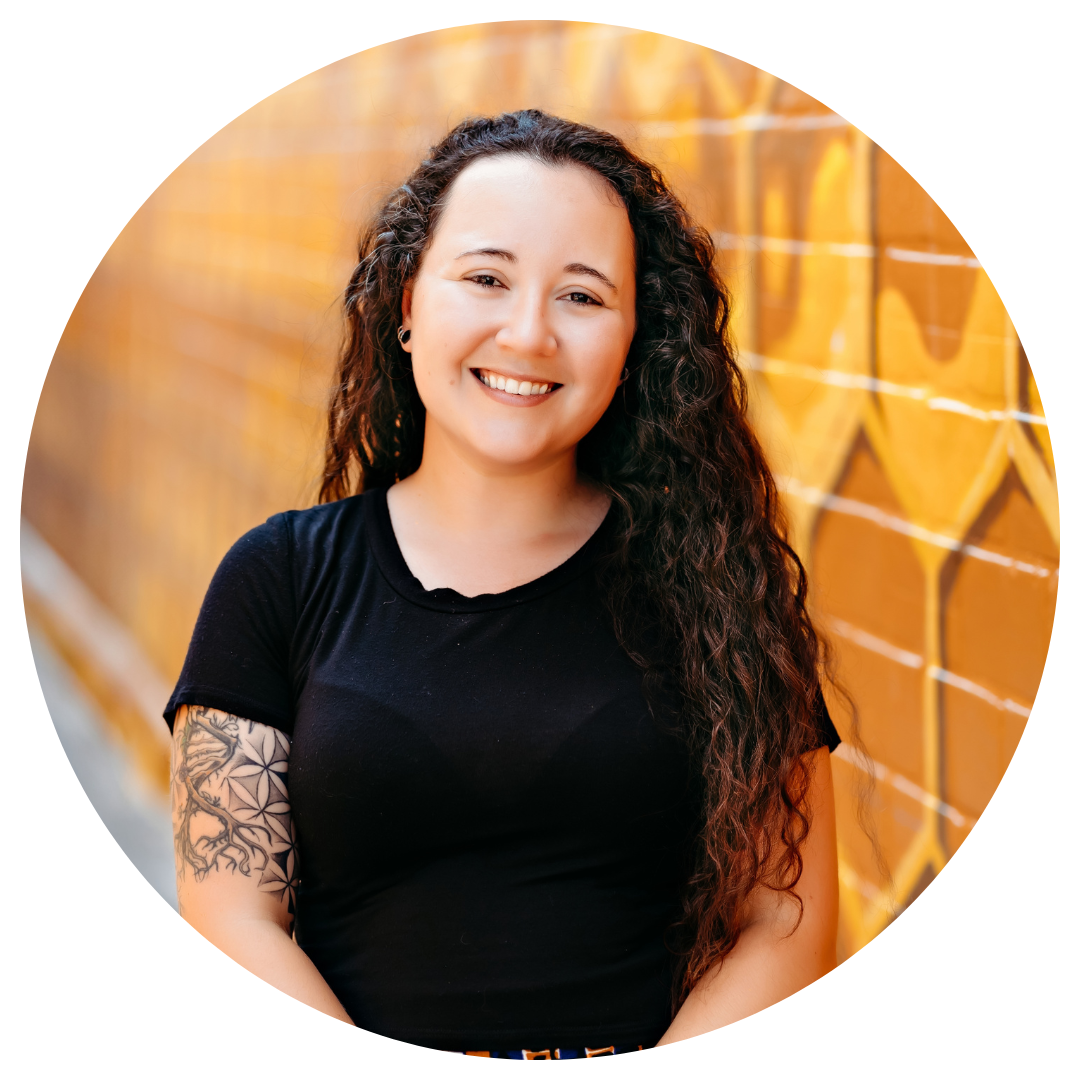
{"x": 524, "y": 744}
{"x": 528, "y": 282}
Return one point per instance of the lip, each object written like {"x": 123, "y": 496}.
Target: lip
{"x": 516, "y": 400}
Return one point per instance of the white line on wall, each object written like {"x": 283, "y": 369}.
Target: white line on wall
{"x": 853, "y": 508}
{"x": 851, "y": 380}
{"x": 703, "y": 125}
{"x": 779, "y": 246}
{"x": 728, "y": 241}
{"x": 875, "y": 644}
{"x": 958, "y": 682}
{"x": 931, "y": 258}
{"x": 883, "y": 774}
{"x": 871, "y": 642}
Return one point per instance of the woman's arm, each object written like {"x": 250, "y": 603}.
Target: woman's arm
{"x": 236, "y": 849}
{"x": 769, "y": 962}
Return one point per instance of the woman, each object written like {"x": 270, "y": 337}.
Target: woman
{"x": 546, "y": 692}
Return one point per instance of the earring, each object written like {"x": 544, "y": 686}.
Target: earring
{"x": 625, "y": 375}
{"x": 403, "y": 335}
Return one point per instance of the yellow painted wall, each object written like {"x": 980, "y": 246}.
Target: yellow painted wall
{"x": 185, "y": 402}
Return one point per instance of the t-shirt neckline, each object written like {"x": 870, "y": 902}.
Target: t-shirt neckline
{"x": 395, "y": 569}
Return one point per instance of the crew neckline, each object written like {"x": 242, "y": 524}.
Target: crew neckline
{"x": 395, "y": 569}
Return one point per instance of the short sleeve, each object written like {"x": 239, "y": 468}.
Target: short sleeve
{"x": 238, "y": 659}
{"x": 828, "y": 734}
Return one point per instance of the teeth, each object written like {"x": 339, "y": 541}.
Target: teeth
{"x": 524, "y": 388}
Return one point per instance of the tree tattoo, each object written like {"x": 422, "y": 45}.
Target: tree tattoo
{"x": 231, "y": 801}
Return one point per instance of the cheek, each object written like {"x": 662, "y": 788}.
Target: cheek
{"x": 600, "y": 351}
{"x": 446, "y": 328}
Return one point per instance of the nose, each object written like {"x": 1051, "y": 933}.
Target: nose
{"x": 527, "y": 331}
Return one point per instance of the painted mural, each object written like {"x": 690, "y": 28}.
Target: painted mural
{"x": 185, "y": 402}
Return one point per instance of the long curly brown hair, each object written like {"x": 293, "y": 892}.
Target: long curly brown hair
{"x": 705, "y": 593}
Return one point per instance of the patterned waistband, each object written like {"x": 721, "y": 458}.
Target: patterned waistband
{"x": 557, "y": 1054}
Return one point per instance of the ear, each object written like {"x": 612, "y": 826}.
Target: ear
{"x": 406, "y": 312}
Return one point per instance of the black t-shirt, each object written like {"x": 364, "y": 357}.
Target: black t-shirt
{"x": 493, "y": 830}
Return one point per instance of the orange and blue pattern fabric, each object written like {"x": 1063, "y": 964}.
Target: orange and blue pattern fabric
{"x": 559, "y": 1053}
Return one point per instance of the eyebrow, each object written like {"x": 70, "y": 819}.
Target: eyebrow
{"x": 570, "y": 268}
{"x": 581, "y": 268}
{"x": 495, "y": 253}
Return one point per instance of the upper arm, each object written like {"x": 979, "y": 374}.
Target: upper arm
{"x": 248, "y": 612}
{"x": 232, "y": 822}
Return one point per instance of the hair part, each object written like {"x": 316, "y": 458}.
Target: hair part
{"x": 705, "y": 593}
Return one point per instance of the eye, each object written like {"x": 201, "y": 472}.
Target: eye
{"x": 583, "y": 298}
{"x": 486, "y": 281}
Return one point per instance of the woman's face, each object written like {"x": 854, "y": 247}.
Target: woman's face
{"x": 522, "y": 312}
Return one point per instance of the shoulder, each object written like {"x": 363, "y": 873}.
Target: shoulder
{"x": 325, "y": 522}
{"x": 326, "y": 535}
{"x": 274, "y": 569}
{"x": 284, "y": 536}
{"x": 329, "y": 546}
{"x": 269, "y": 558}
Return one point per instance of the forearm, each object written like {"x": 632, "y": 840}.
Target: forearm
{"x": 266, "y": 950}
{"x": 759, "y": 972}
{"x": 783, "y": 946}
{"x": 236, "y": 857}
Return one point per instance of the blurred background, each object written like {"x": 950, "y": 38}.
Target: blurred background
{"x": 185, "y": 405}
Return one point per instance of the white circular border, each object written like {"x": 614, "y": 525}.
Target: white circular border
{"x": 103, "y": 100}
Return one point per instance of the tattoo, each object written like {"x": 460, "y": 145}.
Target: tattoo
{"x": 231, "y": 801}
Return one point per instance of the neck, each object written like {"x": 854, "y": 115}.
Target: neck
{"x": 484, "y": 527}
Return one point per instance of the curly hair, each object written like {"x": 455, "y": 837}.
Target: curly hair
{"x": 704, "y": 591}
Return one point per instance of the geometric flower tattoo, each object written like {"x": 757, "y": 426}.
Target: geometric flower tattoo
{"x": 231, "y": 800}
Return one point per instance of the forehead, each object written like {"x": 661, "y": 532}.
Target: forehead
{"x": 513, "y": 192}
{"x": 515, "y": 170}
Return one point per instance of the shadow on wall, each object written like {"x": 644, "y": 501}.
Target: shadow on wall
{"x": 133, "y": 807}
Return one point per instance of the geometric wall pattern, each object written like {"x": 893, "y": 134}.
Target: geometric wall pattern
{"x": 185, "y": 402}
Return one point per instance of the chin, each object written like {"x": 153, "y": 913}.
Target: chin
{"x": 499, "y": 460}
{"x": 512, "y": 453}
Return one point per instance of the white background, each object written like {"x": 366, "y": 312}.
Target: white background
{"x": 102, "y": 100}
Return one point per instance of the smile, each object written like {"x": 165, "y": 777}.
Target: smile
{"x": 509, "y": 385}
